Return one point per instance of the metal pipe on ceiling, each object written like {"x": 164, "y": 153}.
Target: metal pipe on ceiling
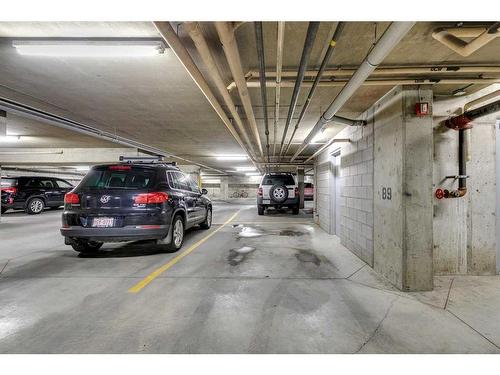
{"x": 31, "y": 152}
{"x": 194, "y": 31}
{"x": 462, "y": 47}
{"x": 259, "y": 39}
{"x": 394, "y": 33}
{"x": 312, "y": 30}
{"x": 482, "y": 99}
{"x": 461, "y": 121}
{"x": 385, "y": 82}
{"x": 169, "y": 35}
{"x": 329, "y": 52}
{"x": 279, "y": 65}
{"x": 225, "y": 30}
{"x": 347, "y": 121}
{"x": 345, "y": 71}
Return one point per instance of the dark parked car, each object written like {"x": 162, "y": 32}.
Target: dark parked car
{"x": 33, "y": 194}
{"x": 131, "y": 202}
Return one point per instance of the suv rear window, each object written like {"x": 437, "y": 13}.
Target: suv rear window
{"x": 108, "y": 178}
{"x": 8, "y": 182}
{"x": 278, "y": 180}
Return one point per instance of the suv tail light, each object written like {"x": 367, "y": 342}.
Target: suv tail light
{"x": 11, "y": 189}
{"x": 147, "y": 198}
{"x": 71, "y": 198}
{"x": 119, "y": 167}
{"x": 260, "y": 192}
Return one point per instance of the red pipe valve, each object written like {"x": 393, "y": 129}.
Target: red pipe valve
{"x": 439, "y": 193}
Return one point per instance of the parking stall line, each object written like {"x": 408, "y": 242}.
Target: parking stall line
{"x": 153, "y": 275}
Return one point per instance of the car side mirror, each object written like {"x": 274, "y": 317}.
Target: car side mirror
{"x": 204, "y": 191}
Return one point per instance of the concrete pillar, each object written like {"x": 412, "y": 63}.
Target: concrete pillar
{"x": 300, "y": 182}
{"x": 0, "y": 199}
{"x": 403, "y": 191}
{"x": 3, "y": 123}
{"x": 224, "y": 187}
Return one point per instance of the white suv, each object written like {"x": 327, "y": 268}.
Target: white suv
{"x": 278, "y": 190}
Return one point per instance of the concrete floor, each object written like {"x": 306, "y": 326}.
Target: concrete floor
{"x": 261, "y": 284}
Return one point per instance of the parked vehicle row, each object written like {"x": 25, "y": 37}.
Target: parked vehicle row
{"x": 131, "y": 201}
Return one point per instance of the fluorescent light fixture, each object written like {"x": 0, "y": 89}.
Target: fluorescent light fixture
{"x": 253, "y": 174}
{"x": 93, "y": 47}
{"x": 83, "y": 168}
{"x": 211, "y": 181}
{"x": 10, "y": 138}
{"x": 232, "y": 157}
{"x": 245, "y": 169}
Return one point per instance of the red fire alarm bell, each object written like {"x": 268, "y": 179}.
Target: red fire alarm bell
{"x": 422, "y": 109}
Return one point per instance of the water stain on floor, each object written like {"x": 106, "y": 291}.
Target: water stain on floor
{"x": 291, "y": 233}
{"x": 251, "y": 232}
{"x": 237, "y": 256}
{"x": 306, "y": 256}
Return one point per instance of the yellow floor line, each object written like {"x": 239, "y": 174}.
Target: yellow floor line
{"x": 153, "y": 275}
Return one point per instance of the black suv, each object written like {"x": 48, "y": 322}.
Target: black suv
{"x": 33, "y": 194}
{"x": 131, "y": 202}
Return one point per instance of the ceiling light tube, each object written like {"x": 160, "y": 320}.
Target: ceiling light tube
{"x": 89, "y": 47}
{"x": 245, "y": 169}
{"x": 10, "y": 138}
{"x": 232, "y": 157}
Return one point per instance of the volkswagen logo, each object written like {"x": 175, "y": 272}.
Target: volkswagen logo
{"x": 105, "y": 198}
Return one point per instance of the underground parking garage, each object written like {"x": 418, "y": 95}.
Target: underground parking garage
{"x": 249, "y": 187}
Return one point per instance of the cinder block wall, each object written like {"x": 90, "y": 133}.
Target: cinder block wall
{"x": 356, "y": 194}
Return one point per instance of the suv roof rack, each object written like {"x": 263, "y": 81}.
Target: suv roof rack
{"x": 146, "y": 160}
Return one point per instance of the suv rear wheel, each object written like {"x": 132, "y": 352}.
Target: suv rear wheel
{"x": 260, "y": 209}
{"x": 35, "y": 206}
{"x": 177, "y": 233}
{"x": 208, "y": 220}
{"x": 86, "y": 247}
{"x": 4, "y": 209}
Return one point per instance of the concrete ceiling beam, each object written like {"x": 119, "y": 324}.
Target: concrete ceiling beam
{"x": 225, "y": 30}
{"x": 169, "y": 35}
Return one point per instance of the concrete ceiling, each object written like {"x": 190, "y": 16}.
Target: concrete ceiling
{"x": 154, "y": 101}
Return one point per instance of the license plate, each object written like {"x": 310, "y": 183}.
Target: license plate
{"x": 103, "y": 222}
{"x": 266, "y": 201}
